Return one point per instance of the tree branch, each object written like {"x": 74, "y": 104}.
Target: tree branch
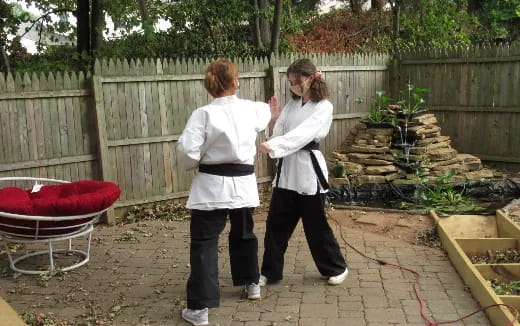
{"x": 210, "y": 31}
{"x": 44, "y": 16}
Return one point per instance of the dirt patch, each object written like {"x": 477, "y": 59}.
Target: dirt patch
{"x": 401, "y": 226}
{"x": 395, "y": 225}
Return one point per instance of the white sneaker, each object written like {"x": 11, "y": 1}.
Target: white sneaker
{"x": 253, "y": 291}
{"x": 197, "y": 317}
{"x": 338, "y": 279}
{"x": 262, "y": 281}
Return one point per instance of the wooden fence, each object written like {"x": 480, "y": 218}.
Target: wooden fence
{"x": 142, "y": 109}
{"x": 47, "y": 127}
{"x": 474, "y": 93}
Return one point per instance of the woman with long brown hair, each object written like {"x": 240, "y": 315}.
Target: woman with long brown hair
{"x": 219, "y": 140}
{"x": 301, "y": 179}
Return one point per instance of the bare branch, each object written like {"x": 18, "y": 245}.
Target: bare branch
{"x": 34, "y": 22}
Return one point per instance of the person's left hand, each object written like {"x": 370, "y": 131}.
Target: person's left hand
{"x": 264, "y": 148}
{"x": 274, "y": 105}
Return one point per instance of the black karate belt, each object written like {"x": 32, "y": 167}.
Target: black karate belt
{"x": 228, "y": 169}
{"x": 309, "y": 147}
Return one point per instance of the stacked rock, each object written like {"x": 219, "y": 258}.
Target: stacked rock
{"x": 366, "y": 155}
{"x": 383, "y": 155}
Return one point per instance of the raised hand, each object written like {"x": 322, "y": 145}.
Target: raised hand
{"x": 274, "y": 105}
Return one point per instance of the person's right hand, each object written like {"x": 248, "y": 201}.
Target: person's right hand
{"x": 274, "y": 105}
{"x": 265, "y": 148}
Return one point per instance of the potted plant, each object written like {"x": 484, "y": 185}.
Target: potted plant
{"x": 412, "y": 103}
{"x": 378, "y": 116}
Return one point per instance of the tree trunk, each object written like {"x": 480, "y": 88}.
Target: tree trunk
{"x": 277, "y": 21}
{"x": 4, "y": 59}
{"x": 377, "y": 5}
{"x": 356, "y": 6}
{"x": 460, "y": 4}
{"x": 83, "y": 26}
{"x": 97, "y": 25}
{"x": 255, "y": 26}
{"x": 396, "y": 9}
{"x": 289, "y": 10}
{"x": 420, "y": 8}
{"x": 212, "y": 36}
{"x": 145, "y": 18}
{"x": 263, "y": 6}
{"x": 474, "y": 5}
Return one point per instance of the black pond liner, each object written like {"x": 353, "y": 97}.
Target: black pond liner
{"x": 381, "y": 125}
{"x": 417, "y": 113}
{"x": 491, "y": 195}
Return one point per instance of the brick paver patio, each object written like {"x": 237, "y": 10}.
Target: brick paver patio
{"x": 142, "y": 282}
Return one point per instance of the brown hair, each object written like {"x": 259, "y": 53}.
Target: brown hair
{"x": 304, "y": 68}
{"x": 221, "y": 76}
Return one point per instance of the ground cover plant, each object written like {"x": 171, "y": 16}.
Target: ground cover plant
{"x": 505, "y": 287}
{"x": 442, "y": 196}
{"x": 509, "y": 256}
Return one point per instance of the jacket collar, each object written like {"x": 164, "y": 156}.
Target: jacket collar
{"x": 224, "y": 100}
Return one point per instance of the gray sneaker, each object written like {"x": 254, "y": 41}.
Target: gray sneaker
{"x": 262, "y": 281}
{"x": 253, "y": 291}
{"x": 197, "y": 317}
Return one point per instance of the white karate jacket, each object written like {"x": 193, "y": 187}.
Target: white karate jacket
{"x": 296, "y": 127}
{"x": 224, "y": 131}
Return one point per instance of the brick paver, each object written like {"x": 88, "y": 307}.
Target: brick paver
{"x": 142, "y": 282}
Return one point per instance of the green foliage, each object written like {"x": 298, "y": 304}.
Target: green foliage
{"x": 436, "y": 23}
{"x": 441, "y": 197}
{"x": 505, "y": 288}
{"x": 378, "y": 111}
{"x": 11, "y": 16}
{"x": 56, "y": 58}
{"x": 212, "y": 27}
{"x": 338, "y": 170}
{"x": 198, "y": 29}
{"x": 498, "y": 21}
{"x": 411, "y": 99}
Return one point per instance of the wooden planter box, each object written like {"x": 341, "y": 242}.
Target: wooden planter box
{"x": 463, "y": 236}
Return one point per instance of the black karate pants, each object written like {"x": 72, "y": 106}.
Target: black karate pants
{"x": 286, "y": 208}
{"x": 203, "y": 289}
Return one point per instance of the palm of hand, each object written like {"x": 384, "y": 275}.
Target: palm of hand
{"x": 274, "y": 106}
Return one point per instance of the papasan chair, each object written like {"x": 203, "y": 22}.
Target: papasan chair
{"x": 59, "y": 211}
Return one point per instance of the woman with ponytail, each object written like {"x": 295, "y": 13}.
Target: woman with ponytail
{"x": 219, "y": 140}
{"x": 301, "y": 179}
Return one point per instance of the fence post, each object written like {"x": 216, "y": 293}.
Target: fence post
{"x": 395, "y": 81}
{"x": 103, "y": 158}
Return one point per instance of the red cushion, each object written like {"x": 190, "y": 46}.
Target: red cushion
{"x": 54, "y": 191}
{"x": 15, "y": 200}
{"x": 76, "y": 198}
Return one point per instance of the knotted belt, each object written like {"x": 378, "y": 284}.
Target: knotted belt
{"x": 309, "y": 147}
{"x": 228, "y": 169}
